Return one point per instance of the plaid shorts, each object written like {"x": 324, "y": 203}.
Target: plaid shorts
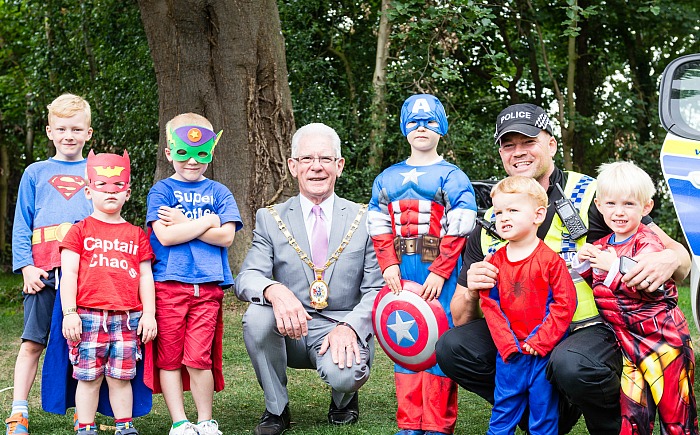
{"x": 109, "y": 345}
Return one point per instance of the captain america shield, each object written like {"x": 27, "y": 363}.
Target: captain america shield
{"x": 407, "y": 327}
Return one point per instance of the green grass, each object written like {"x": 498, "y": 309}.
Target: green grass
{"x": 239, "y": 406}
{"x": 10, "y": 289}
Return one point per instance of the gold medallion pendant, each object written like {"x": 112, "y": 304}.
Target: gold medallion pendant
{"x": 319, "y": 291}
{"x": 319, "y": 294}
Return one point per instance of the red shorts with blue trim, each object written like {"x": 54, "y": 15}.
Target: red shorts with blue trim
{"x": 108, "y": 345}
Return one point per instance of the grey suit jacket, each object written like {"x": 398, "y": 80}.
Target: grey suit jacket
{"x": 353, "y": 280}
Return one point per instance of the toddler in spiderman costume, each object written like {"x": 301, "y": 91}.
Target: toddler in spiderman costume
{"x": 528, "y": 311}
{"x": 657, "y": 351}
{"x": 421, "y": 211}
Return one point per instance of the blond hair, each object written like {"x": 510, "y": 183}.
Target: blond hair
{"x": 67, "y": 105}
{"x": 626, "y": 179}
{"x": 188, "y": 119}
{"x": 520, "y": 184}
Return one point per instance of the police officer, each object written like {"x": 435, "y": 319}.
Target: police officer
{"x": 586, "y": 366}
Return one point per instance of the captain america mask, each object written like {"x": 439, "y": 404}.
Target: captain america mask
{"x": 192, "y": 142}
{"x": 422, "y": 109}
{"x": 111, "y": 169}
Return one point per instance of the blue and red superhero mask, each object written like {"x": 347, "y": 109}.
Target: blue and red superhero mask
{"x": 192, "y": 142}
{"x": 422, "y": 109}
{"x": 111, "y": 169}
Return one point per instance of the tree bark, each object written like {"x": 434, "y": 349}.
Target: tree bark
{"x": 4, "y": 177}
{"x": 379, "y": 85}
{"x": 568, "y": 131}
{"x": 588, "y": 79}
{"x": 225, "y": 60}
{"x": 29, "y": 130}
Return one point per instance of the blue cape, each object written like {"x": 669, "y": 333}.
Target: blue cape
{"x": 58, "y": 385}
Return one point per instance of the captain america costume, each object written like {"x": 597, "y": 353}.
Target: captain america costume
{"x": 435, "y": 204}
{"x": 411, "y": 201}
{"x": 658, "y": 358}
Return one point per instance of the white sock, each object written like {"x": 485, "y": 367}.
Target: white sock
{"x": 20, "y": 406}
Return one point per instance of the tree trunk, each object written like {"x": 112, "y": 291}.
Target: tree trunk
{"x": 225, "y": 60}
{"x": 565, "y": 103}
{"x": 379, "y": 85}
{"x": 4, "y": 177}
{"x": 29, "y": 130}
{"x": 567, "y": 132}
{"x": 585, "y": 93}
{"x": 640, "y": 61}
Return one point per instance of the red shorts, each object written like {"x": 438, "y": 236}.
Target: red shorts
{"x": 186, "y": 324}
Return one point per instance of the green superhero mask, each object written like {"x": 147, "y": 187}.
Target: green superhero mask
{"x": 192, "y": 142}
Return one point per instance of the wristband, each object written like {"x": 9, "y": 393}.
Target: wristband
{"x": 67, "y": 311}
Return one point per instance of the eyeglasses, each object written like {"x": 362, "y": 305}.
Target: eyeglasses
{"x": 308, "y": 160}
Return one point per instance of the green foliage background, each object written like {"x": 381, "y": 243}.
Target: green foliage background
{"x": 477, "y": 57}
{"x": 96, "y": 49}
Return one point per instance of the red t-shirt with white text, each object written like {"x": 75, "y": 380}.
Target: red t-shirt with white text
{"x": 110, "y": 255}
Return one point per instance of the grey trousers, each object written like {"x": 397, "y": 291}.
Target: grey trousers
{"x": 271, "y": 354}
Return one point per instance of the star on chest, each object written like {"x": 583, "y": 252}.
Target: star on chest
{"x": 411, "y": 176}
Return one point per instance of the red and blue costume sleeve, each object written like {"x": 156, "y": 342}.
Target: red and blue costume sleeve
{"x": 380, "y": 225}
{"x": 533, "y": 301}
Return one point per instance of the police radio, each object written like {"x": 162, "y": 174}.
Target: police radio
{"x": 490, "y": 227}
{"x": 569, "y": 216}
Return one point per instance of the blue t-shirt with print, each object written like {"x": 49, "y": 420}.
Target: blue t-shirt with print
{"x": 193, "y": 262}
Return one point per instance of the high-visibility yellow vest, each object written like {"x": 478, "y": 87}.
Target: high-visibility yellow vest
{"x": 580, "y": 189}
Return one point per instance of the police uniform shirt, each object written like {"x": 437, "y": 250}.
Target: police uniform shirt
{"x": 597, "y": 228}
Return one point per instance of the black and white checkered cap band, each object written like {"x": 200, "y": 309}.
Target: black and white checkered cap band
{"x": 542, "y": 122}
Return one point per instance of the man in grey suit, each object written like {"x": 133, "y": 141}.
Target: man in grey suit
{"x": 304, "y": 313}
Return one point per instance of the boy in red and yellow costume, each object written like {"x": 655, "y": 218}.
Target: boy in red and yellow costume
{"x": 658, "y": 359}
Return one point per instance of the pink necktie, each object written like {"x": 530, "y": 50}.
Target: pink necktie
{"x": 319, "y": 238}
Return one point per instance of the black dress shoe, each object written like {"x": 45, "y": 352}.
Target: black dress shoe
{"x": 271, "y": 424}
{"x": 347, "y": 415}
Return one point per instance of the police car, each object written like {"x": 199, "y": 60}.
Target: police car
{"x": 482, "y": 193}
{"x": 679, "y": 110}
